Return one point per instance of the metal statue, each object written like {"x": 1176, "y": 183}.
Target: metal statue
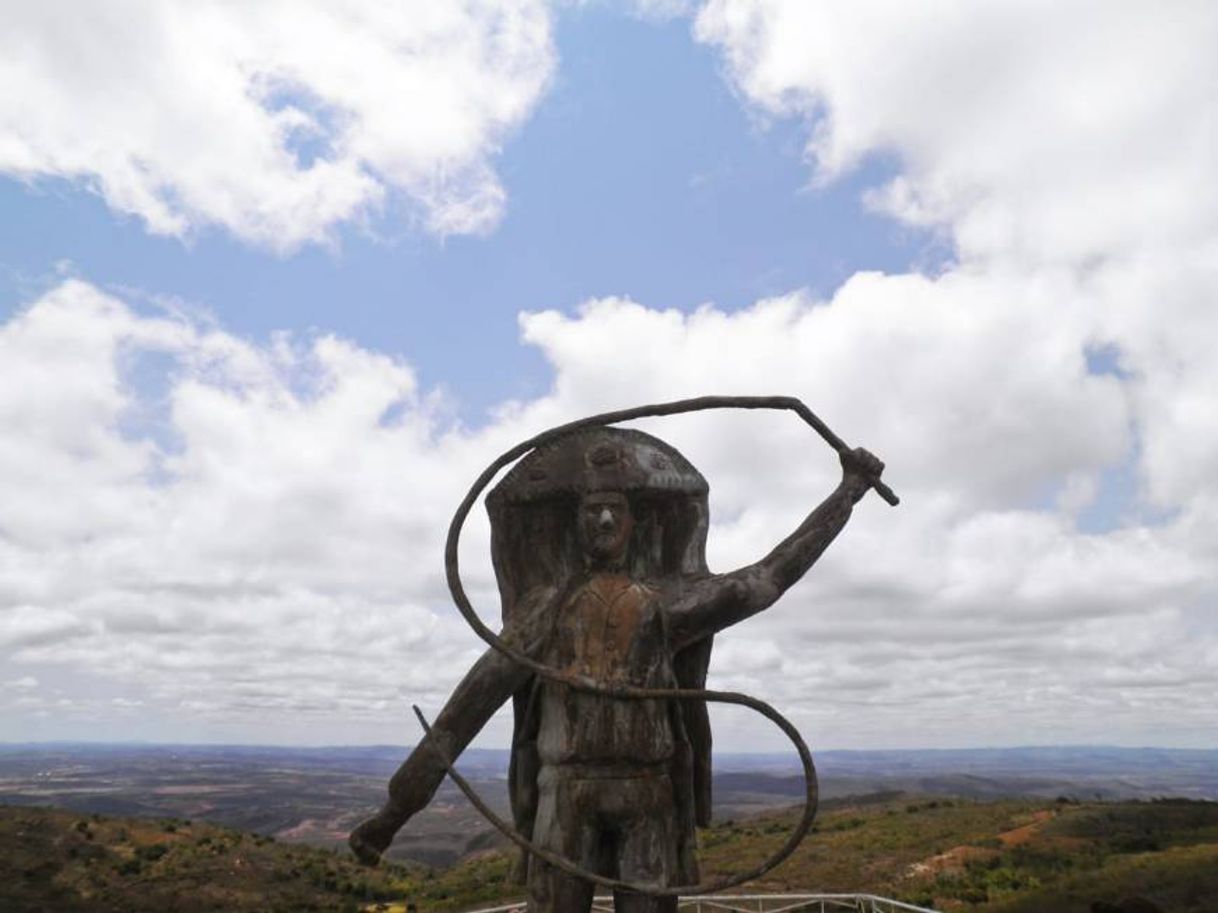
{"x": 609, "y": 614}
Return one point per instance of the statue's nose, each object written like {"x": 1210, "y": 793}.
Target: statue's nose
{"x": 606, "y": 519}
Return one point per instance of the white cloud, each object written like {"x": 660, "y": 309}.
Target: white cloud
{"x": 275, "y": 121}
{"x": 31, "y": 626}
{"x": 255, "y": 543}
{"x": 970, "y": 591}
{"x": 1018, "y": 125}
{"x": 1066, "y": 150}
{"x": 255, "y": 525}
{"x": 261, "y": 558}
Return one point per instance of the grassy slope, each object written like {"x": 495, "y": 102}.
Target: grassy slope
{"x": 64, "y": 862}
{"x": 1166, "y": 852}
{"x": 1015, "y": 856}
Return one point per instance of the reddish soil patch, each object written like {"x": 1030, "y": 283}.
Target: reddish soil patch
{"x": 955, "y": 859}
{"x": 1021, "y": 835}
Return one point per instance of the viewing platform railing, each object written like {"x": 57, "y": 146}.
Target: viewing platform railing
{"x": 760, "y": 903}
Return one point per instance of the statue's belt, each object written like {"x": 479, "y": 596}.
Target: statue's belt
{"x": 608, "y": 770}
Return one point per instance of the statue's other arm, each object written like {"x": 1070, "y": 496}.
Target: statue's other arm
{"x": 720, "y": 601}
{"x": 485, "y": 688}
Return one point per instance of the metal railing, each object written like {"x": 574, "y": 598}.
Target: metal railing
{"x": 760, "y": 903}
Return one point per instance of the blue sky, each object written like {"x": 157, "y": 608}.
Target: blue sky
{"x": 278, "y": 280}
{"x": 639, "y": 173}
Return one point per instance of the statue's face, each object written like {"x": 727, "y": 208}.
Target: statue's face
{"x": 605, "y": 524}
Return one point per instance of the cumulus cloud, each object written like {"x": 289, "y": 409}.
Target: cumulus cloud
{"x": 1017, "y": 125}
{"x": 258, "y": 557}
{"x": 274, "y": 121}
{"x": 973, "y": 594}
{"x": 261, "y": 534}
{"x": 1065, "y": 150}
{"x": 252, "y": 542}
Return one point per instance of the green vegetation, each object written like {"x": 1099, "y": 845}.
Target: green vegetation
{"x": 54, "y": 860}
{"x": 1165, "y": 851}
{"x": 998, "y": 857}
{"x": 1013, "y": 856}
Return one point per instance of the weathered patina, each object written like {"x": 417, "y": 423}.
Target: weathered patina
{"x": 598, "y": 541}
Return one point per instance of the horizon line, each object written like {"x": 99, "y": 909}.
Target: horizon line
{"x": 146, "y": 743}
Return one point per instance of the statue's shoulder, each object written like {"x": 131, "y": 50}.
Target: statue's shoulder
{"x": 531, "y": 618}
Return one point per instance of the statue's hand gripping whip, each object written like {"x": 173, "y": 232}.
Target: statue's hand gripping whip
{"x": 591, "y": 686}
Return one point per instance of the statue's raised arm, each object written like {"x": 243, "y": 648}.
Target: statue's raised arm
{"x": 721, "y": 600}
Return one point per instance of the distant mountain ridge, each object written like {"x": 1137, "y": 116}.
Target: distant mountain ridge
{"x": 316, "y": 795}
{"x": 1041, "y": 759}
{"x": 1113, "y": 772}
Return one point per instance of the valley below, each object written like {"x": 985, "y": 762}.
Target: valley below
{"x": 992, "y": 830}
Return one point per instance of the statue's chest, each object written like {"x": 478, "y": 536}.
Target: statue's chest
{"x": 609, "y": 628}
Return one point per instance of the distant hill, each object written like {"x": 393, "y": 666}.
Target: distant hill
{"x": 54, "y": 861}
{"x": 1006, "y": 856}
{"x": 316, "y": 795}
{"x": 1080, "y": 771}
{"x": 955, "y": 855}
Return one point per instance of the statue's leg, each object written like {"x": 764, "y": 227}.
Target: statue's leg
{"x": 646, "y": 818}
{"x": 566, "y": 824}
